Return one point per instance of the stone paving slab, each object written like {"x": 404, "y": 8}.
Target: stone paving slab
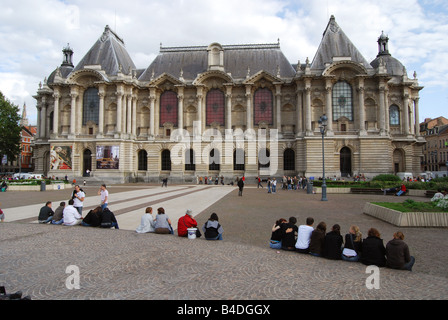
{"x": 124, "y": 265}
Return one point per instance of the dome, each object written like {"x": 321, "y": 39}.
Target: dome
{"x": 393, "y": 66}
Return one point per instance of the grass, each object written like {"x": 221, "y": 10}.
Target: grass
{"x": 411, "y": 206}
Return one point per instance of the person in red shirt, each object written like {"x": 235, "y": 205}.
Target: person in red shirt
{"x": 185, "y": 222}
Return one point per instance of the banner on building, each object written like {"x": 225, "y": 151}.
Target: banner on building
{"x": 107, "y": 157}
{"x": 61, "y": 158}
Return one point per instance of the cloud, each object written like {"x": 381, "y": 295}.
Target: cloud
{"x": 33, "y": 33}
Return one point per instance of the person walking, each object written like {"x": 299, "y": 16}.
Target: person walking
{"x": 240, "y": 187}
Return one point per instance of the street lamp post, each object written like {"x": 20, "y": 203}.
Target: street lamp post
{"x": 323, "y": 126}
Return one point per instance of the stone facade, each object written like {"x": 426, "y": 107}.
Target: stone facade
{"x": 242, "y": 109}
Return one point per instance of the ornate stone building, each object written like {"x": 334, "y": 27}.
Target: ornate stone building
{"x": 213, "y": 110}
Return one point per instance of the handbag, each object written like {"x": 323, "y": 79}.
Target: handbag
{"x": 349, "y": 252}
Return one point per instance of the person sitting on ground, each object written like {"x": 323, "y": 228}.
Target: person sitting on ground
{"x": 212, "y": 229}
{"x": 317, "y": 240}
{"x": 58, "y": 214}
{"x": 333, "y": 243}
{"x": 71, "y": 215}
{"x": 147, "y": 222}
{"x": 93, "y": 218}
{"x": 353, "y": 245}
{"x": 108, "y": 219}
{"x": 185, "y": 222}
{"x": 397, "y": 253}
{"x": 304, "y": 235}
{"x": 163, "y": 223}
{"x": 289, "y": 231}
{"x": 276, "y": 236}
{"x": 46, "y": 213}
{"x": 373, "y": 250}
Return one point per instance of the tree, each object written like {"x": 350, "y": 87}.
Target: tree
{"x": 10, "y": 129}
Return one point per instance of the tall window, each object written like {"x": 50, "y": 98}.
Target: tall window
{"x": 189, "y": 160}
{"x": 342, "y": 101}
{"x": 394, "y": 115}
{"x": 263, "y": 106}
{"x": 142, "y": 160}
{"x": 289, "y": 161}
{"x": 215, "y": 107}
{"x": 214, "y": 162}
{"x": 166, "y": 160}
{"x": 238, "y": 160}
{"x": 168, "y": 108}
{"x": 91, "y": 106}
{"x": 264, "y": 158}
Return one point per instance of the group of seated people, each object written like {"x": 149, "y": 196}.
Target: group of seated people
{"x": 331, "y": 245}
{"x": 68, "y": 215}
{"x": 161, "y": 224}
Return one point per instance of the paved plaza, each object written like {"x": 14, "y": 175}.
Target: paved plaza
{"x": 123, "y": 265}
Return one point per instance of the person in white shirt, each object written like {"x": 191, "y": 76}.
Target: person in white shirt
{"x": 71, "y": 215}
{"x": 78, "y": 199}
{"x": 104, "y": 196}
{"x": 147, "y": 222}
{"x": 304, "y": 235}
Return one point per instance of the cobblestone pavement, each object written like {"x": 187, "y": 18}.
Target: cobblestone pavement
{"x": 124, "y": 265}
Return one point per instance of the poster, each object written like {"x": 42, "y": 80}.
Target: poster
{"x": 107, "y": 157}
{"x": 61, "y": 158}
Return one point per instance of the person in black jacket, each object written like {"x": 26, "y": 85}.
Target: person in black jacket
{"x": 93, "y": 218}
{"x": 46, "y": 213}
{"x": 108, "y": 219}
{"x": 373, "y": 250}
{"x": 317, "y": 240}
{"x": 289, "y": 231}
{"x": 333, "y": 243}
{"x": 276, "y": 237}
{"x": 353, "y": 245}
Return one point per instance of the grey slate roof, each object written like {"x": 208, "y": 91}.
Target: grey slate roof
{"x": 109, "y": 52}
{"x": 393, "y": 66}
{"x": 335, "y": 43}
{"x": 237, "y": 59}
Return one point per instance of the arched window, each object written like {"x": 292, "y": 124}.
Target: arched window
{"x": 289, "y": 160}
{"x": 91, "y": 106}
{"x": 264, "y": 158}
{"x": 166, "y": 160}
{"x": 142, "y": 160}
{"x": 189, "y": 160}
{"x": 214, "y": 160}
{"x": 168, "y": 108}
{"x": 238, "y": 160}
{"x": 215, "y": 107}
{"x": 394, "y": 115}
{"x": 342, "y": 101}
{"x": 263, "y": 106}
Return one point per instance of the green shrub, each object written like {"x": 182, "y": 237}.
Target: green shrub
{"x": 386, "y": 177}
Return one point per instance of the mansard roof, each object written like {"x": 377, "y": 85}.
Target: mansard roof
{"x": 238, "y": 61}
{"x": 336, "y": 44}
{"x": 109, "y": 52}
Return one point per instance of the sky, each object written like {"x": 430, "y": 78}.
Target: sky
{"x": 33, "y": 34}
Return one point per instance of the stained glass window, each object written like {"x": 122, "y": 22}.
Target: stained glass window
{"x": 263, "y": 106}
{"x": 342, "y": 101}
{"x": 91, "y": 106}
{"x": 215, "y": 107}
{"x": 394, "y": 115}
{"x": 168, "y": 108}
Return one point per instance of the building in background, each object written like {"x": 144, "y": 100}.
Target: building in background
{"x": 435, "y": 151}
{"x": 122, "y": 123}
